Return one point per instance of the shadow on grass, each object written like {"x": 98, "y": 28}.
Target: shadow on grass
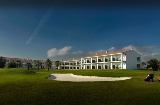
{"x": 51, "y": 77}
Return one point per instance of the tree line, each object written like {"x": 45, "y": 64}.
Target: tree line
{"x": 152, "y": 63}
{"x": 18, "y": 63}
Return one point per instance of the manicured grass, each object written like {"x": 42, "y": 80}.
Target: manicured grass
{"x": 30, "y": 87}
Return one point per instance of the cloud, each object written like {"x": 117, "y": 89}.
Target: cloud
{"x": 146, "y": 52}
{"x": 58, "y": 52}
{"x": 42, "y": 21}
{"x": 94, "y": 52}
{"x": 112, "y": 49}
{"x": 77, "y": 52}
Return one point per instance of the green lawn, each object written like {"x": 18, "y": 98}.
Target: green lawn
{"x": 30, "y": 87}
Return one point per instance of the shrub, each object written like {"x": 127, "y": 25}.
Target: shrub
{"x": 11, "y": 65}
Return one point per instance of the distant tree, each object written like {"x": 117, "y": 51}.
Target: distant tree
{"x": 38, "y": 63}
{"x": 154, "y": 64}
{"x": 48, "y": 64}
{"x": 7, "y": 65}
{"x": 11, "y": 64}
{"x": 42, "y": 66}
{"x": 2, "y": 62}
{"x": 29, "y": 65}
{"x": 143, "y": 65}
{"x": 19, "y": 63}
{"x": 159, "y": 65}
{"x": 57, "y": 63}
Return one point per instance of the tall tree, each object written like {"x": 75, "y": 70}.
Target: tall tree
{"x": 154, "y": 64}
{"x": 57, "y": 63}
{"x": 2, "y": 62}
{"x": 48, "y": 64}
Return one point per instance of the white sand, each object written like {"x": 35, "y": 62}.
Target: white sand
{"x": 79, "y": 78}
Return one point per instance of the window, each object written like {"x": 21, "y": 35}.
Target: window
{"x": 138, "y": 58}
{"x": 88, "y": 61}
{"x": 138, "y": 66}
{"x": 99, "y": 60}
{"x": 93, "y": 61}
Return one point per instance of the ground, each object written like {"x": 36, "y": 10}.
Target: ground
{"x": 30, "y": 87}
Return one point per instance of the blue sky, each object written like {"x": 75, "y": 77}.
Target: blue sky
{"x": 66, "y": 30}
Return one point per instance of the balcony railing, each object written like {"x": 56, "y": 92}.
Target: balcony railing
{"x": 116, "y": 59}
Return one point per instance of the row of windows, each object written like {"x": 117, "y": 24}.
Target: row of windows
{"x": 94, "y": 67}
{"x": 99, "y": 67}
{"x": 95, "y": 61}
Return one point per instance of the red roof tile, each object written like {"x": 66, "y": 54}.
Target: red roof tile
{"x": 101, "y": 54}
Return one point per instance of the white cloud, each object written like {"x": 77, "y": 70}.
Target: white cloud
{"x": 94, "y": 52}
{"x": 58, "y": 52}
{"x": 129, "y": 47}
{"x": 102, "y": 51}
{"x": 112, "y": 49}
{"x": 147, "y": 52}
{"x": 77, "y": 52}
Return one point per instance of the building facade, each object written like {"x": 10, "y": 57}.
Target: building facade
{"x": 125, "y": 59}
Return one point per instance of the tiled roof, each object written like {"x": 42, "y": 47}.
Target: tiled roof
{"x": 108, "y": 53}
{"x": 101, "y": 54}
{"x": 14, "y": 59}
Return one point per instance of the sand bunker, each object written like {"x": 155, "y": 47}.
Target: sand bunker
{"x": 79, "y": 78}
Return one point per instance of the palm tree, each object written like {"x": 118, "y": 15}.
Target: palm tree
{"x": 48, "y": 64}
{"x": 2, "y": 62}
{"x": 57, "y": 63}
{"x": 29, "y": 65}
{"x": 154, "y": 64}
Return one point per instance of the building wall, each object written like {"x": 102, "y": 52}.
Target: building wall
{"x": 131, "y": 59}
{"x": 124, "y": 60}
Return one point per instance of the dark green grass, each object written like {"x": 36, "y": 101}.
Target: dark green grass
{"x": 30, "y": 87}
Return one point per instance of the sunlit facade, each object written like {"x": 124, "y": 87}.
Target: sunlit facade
{"x": 125, "y": 59}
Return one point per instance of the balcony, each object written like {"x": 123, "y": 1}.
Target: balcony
{"x": 93, "y": 61}
{"x": 100, "y": 60}
{"x": 116, "y": 67}
{"x": 88, "y": 61}
{"x": 107, "y": 60}
{"x": 66, "y": 64}
{"x": 116, "y": 59}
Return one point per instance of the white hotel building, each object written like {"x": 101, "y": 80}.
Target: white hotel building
{"x": 125, "y": 59}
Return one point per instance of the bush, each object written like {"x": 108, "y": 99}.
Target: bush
{"x": 11, "y": 65}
